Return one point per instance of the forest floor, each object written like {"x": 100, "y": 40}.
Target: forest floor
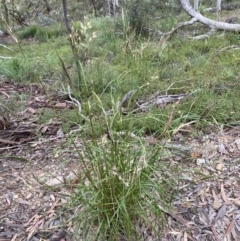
{"x": 39, "y": 153}
{"x": 39, "y": 167}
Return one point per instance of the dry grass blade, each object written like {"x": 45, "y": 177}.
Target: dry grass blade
{"x": 17, "y": 158}
{"x": 65, "y": 71}
{"x": 8, "y": 142}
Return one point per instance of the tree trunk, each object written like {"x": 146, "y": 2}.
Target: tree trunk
{"x": 196, "y": 5}
{"x": 73, "y": 47}
{"x": 94, "y": 8}
{"x": 218, "y": 9}
{"x": 112, "y": 5}
{"x": 64, "y": 5}
{"x": 48, "y": 8}
{"x": 209, "y": 22}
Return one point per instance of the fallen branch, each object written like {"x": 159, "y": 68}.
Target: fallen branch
{"x": 125, "y": 99}
{"x": 203, "y": 36}
{"x": 219, "y": 51}
{"x": 167, "y": 126}
{"x": 180, "y": 25}
{"x": 77, "y": 104}
{"x": 167, "y": 35}
{"x": 158, "y": 100}
{"x": 206, "y": 21}
{"x": 7, "y": 141}
{"x": 228, "y": 7}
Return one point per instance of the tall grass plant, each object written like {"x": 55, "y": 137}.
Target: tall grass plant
{"x": 122, "y": 186}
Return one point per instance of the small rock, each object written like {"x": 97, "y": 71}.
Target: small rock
{"x": 55, "y": 181}
{"x": 29, "y": 196}
{"x": 237, "y": 141}
{"x": 46, "y": 198}
{"x": 219, "y": 166}
{"x": 221, "y": 149}
{"x": 200, "y": 161}
{"x": 52, "y": 197}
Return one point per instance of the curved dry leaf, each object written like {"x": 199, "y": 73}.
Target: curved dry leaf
{"x": 237, "y": 222}
{"x": 237, "y": 141}
{"x": 215, "y": 233}
{"x": 61, "y": 105}
{"x": 230, "y": 227}
{"x": 31, "y": 110}
{"x": 216, "y": 203}
{"x": 4, "y": 123}
{"x": 221, "y": 149}
{"x": 225, "y": 198}
{"x": 221, "y": 213}
{"x": 185, "y": 236}
{"x": 44, "y": 129}
{"x": 236, "y": 202}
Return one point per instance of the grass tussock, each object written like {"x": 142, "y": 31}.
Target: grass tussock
{"x": 123, "y": 186}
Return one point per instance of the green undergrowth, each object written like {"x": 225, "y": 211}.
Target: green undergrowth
{"x": 115, "y": 60}
{"x": 36, "y": 61}
{"x": 121, "y": 187}
{"x": 123, "y": 184}
{"x": 41, "y": 34}
{"x": 123, "y": 178}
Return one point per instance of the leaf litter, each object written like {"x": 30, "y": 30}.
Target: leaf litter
{"x": 38, "y": 174}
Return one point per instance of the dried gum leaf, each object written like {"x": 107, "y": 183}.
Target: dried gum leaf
{"x": 216, "y": 203}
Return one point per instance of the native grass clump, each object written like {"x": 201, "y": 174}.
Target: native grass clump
{"x": 123, "y": 186}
